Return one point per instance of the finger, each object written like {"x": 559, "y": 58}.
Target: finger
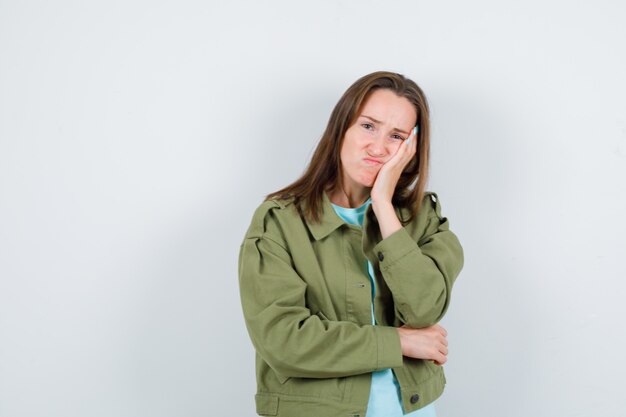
{"x": 411, "y": 139}
{"x": 414, "y": 137}
{"x": 438, "y": 328}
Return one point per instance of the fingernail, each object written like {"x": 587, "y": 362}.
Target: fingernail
{"x": 415, "y": 130}
{"x": 408, "y": 141}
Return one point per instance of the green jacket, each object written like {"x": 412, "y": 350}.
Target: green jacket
{"x": 306, "y": 300}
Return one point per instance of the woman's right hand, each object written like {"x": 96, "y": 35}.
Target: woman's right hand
{"x": 426, "y": 343}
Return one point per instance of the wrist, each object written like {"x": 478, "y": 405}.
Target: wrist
{"x": 378, "y": 205}
{"x": 387, "y": 219}
{"x": 402, "y": 334}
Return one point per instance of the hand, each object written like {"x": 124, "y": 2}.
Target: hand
{"x": 389, "y": 174}
{"x": 427, "y": 343}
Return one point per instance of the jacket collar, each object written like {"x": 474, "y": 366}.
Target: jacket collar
{"x": 330, "y": 220}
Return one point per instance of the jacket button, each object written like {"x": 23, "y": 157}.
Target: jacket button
{"x": 414, "y": 398}
{"x": 380, "y": 256}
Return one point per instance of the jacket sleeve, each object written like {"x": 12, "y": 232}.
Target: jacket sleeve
{"x": 420, "y": 273}
{"x": 285, "y": 334}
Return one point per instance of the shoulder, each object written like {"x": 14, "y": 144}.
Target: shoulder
{"x": 428, "y": 216}
{"x": 431, "y": 207}
{"x": 267, "y": 217}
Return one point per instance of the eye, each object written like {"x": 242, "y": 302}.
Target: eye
{"x": 367, "y": 126}
{"x": 397, "y": 137}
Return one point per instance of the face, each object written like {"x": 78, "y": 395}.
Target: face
{"x": 385, "y": 120}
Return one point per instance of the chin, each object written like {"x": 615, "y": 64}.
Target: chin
{"x": 364, "y": 179}
{"x": 367, "y": 182}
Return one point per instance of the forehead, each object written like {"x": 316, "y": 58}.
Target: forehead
{"x": 386, "y": 106}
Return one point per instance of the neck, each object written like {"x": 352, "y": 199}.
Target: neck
{"x": 349, "y": 198}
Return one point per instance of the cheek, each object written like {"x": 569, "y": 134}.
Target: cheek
{"x": 346, "y": 155}
{"x": 393, "y": 148}
{"x": 351, "y": 150}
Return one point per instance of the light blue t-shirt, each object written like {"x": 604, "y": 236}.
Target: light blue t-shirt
{"x": 384, "y": 400}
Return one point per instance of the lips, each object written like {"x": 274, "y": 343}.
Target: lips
{"x": 372, "y": 161}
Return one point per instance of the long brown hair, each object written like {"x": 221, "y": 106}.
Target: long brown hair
{"x": 324, "y": 171}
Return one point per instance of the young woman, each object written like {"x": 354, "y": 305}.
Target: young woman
{"x": 345, "y": 273}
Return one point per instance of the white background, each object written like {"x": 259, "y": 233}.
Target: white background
{"x": 137, "y": 138}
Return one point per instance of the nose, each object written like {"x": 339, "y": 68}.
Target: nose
{"x": 376, "y": 146}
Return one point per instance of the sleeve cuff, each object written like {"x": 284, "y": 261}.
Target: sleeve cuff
{"x": 389, "y": 349}
{"x": 394, "y": 247}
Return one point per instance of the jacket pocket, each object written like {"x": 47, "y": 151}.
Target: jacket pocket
{"x": 315, "y": 387}
{"x": 266, "y": 405}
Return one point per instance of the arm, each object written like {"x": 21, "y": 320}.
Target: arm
{"x": 420, "y": 274}
{"x": 285, "y": 334}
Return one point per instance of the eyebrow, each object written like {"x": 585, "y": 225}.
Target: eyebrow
{"x": 378, "y": 121}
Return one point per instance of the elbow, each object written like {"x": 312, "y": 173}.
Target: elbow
{"x": 424, "y": 313}
{"x": 289, "y": 364}
{"x": 283, "y": 369}
{"x": 269, "y": 350}
{"x": 277, "y": 359}
{"x": 282, "y": 356}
